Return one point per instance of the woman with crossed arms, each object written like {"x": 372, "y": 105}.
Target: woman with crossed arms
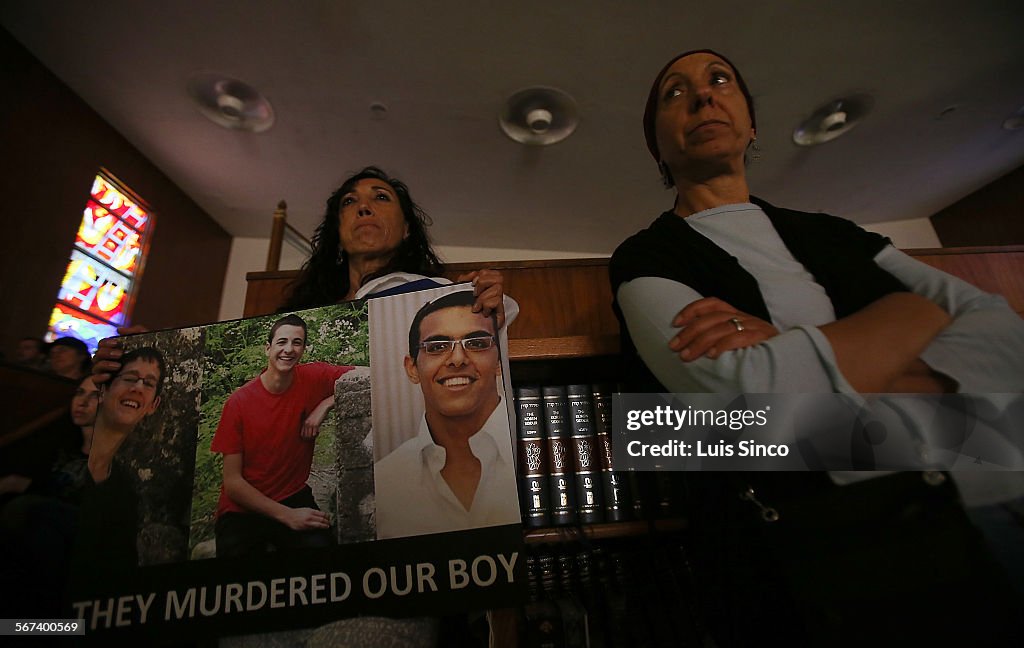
{"x": 727, "y": 293}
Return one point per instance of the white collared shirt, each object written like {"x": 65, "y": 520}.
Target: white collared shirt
{"x": 412, "y": 498}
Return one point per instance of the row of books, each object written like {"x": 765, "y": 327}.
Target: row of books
{"x": 566, "y": 474}
{"x": 566, "y": 470}
{"x": 598, "y": 599}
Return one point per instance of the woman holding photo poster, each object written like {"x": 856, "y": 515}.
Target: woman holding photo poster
{"x": 727, "y": 293}
{"x": 371, "y": 242}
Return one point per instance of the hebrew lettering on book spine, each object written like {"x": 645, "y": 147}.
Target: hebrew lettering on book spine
{"x": 560, "y": 457}
{"x": 589, "y": 507}
{"x": 532, "y": 455}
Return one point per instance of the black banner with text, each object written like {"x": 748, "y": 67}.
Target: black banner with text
{"x": 446, "y": 573}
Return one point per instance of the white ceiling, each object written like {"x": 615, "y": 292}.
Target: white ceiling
{"x": 443, "y": 69}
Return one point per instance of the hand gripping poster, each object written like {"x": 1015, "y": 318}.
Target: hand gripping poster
{"x": 295, "y": 470}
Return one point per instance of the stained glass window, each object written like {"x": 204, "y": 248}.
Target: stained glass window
{"x": 97, "y": 292}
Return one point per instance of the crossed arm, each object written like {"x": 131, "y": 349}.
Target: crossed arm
{"x": 925, "y": 341}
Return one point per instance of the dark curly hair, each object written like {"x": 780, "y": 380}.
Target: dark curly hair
{"x": 324, "y": 277}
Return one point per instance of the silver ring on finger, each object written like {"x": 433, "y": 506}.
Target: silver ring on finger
{"x": 737, "y": 323}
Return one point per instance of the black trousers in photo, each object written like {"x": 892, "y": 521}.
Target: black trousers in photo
{"x": 252, "y": 534}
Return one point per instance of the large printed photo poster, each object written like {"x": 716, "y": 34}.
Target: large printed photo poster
{"x": 282, "y": 472}
{"x": 440, "y": 382}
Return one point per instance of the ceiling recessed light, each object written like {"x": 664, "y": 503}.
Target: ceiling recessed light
{"x": 832, "y": 120}
{"x": 539, "y": 116}
{"x": 947, "y": 112}
{"x": 1015, "y": 121}
{"x": 230, "y": 103}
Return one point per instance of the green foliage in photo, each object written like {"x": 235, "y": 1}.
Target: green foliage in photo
{"x": 234, "y": 354}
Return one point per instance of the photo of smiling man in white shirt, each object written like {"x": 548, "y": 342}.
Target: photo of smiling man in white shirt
{"x": 457, "y": 472}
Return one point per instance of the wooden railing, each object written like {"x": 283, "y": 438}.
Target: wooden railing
{"x": 280, "y": 232}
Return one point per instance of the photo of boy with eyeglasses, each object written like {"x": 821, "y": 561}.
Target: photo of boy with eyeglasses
{"x": 109, "y": 515}
{"x": 457, "y": 472}
{"x": 130, "y": 396}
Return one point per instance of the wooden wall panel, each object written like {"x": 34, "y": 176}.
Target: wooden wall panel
{"x": 989, "y": 216}
{"x": 565, "y": 309}
{"x": 265, "y": 291}
{"x": 997, "y": 270}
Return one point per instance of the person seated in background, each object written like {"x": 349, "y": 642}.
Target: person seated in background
{"x": 38, "y": 524}
{"x": 267, "y": 433}
{"x": 69, "y": 357}
{"x": 457, "y": 472}
{"x": 71, "y": 450}
{"x": 68, "y": 476}
{"x": 31, "y": 353}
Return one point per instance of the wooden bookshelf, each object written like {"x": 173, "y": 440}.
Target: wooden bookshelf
{"x": 570, "y": 346}
{"x": 603, "y": 531}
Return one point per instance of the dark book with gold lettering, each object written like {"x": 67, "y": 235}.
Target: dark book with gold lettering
{"x": 617, "y": 496}
{"x": 543, "y": 627}
{"x": 586, "y": 461}
{"x": 532, "y": 458}
{"x": 560, "y": 455}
